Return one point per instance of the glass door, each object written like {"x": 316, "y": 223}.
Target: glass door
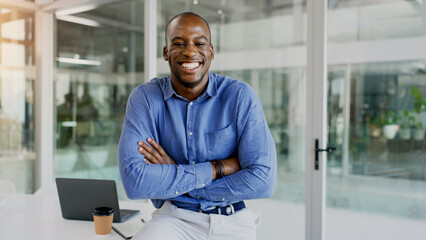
{"x": 376, "y": 180}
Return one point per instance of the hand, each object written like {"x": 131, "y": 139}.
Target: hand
{"x": 154, "y": 154}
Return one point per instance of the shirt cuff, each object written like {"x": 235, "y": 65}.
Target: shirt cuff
{"x": 203, "y": 174}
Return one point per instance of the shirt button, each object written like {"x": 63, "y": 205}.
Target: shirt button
{"x": 190, "y": 103}
{"x": 193, "y": 162}
{"x": 190, "y": 133}
{"x": 223, "y": 199}
{"x": 177, "y": 192}
{"x": 202, "y": 185}
{"x": 198, "y": 197}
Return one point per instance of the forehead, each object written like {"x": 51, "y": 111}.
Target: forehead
{"x": 188, "y": 26}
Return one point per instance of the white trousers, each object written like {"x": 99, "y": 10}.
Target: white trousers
{"x": 173, "y": 223}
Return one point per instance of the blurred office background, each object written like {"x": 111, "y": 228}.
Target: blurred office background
{"x": 376, "y": 91}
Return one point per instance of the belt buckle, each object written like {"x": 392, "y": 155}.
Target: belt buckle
{"x": 230, "y": 209}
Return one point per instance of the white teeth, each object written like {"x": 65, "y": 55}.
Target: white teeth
{"x": 190, "y": 65}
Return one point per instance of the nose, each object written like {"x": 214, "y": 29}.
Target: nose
{"x": 190, "y": 51}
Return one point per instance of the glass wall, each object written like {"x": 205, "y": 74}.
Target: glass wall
{"x": 262, "y": 43}
{"x": 99, "y": 61}
{"x": 17, "y": 74}
{"x": 352, "y": 21}
{"x": 376, "y": 118}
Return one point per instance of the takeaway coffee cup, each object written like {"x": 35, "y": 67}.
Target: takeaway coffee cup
{"x": 102, "y": 216}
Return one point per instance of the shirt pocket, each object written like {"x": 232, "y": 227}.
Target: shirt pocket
{"x": 221, "y": 144}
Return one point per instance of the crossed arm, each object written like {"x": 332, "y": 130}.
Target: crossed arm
{"x": 250, "y": 175}
{"x": 157, "y": 155}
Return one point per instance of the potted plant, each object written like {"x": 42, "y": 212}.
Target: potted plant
{"x": 406, "y": 122}
{"x": 391, "y": 126}
{"x": 374, "y": 125}
{"x": 419, "y": 104}
{"x": 418, "y": 131}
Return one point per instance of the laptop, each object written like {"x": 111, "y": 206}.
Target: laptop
{"x": 78, "y": 198}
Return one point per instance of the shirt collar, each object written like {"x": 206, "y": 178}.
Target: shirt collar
{"x": 210, "y": 91}
{"x": 212, "y": 85}
{"x": 168, "y": 90}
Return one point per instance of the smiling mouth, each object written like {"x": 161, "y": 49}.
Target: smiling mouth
{"x": 190, "y": 66}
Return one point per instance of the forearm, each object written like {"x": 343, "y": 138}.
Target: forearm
{"x": 225, "y": 167}
{"x": 163, "y": 181}
{"x": 249, "y": 183}
{"x": 158, "y": 181}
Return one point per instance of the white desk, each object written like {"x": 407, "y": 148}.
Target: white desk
{"x": 24, "y": 216}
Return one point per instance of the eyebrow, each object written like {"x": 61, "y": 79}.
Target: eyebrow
{"x": 202, "y": 38}
{"x": 183, "y": 39}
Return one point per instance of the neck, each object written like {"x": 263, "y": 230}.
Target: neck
{"x": 189, "y": 92}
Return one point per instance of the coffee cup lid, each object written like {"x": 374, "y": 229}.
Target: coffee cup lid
{"x": 103, "y": 211}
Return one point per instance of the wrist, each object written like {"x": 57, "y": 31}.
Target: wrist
{"x": 219, "y": 169}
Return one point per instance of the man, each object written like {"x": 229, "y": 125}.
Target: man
{"x": 197, "y": 144}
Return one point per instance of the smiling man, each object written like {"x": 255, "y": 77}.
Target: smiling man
{"x": 196, "y": 143}
{"x": 189, "y": 64}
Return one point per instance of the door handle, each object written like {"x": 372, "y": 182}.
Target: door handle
{"x": 317, "y": 150}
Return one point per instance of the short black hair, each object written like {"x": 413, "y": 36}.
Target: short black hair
{"x": 186, "y": 14}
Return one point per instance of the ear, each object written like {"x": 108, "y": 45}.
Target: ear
{"x": 165, "y": 52}
{"x": 211, "y": 51}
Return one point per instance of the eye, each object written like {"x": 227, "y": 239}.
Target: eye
{"x": 200, "y": 44}
{"x": 178, "y": 44}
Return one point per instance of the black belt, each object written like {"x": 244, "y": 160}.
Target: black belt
{"x": 226, "y": 210}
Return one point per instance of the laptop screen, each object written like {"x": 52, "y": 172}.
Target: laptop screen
{"x": 78, "y": 197}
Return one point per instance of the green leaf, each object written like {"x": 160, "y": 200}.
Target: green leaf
{"x": 415, "y": 91}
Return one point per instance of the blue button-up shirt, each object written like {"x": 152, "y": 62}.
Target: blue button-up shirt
{"x": 227, "y": 118}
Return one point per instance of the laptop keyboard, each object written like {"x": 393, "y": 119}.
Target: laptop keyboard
{"x": 126, "y": 213}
